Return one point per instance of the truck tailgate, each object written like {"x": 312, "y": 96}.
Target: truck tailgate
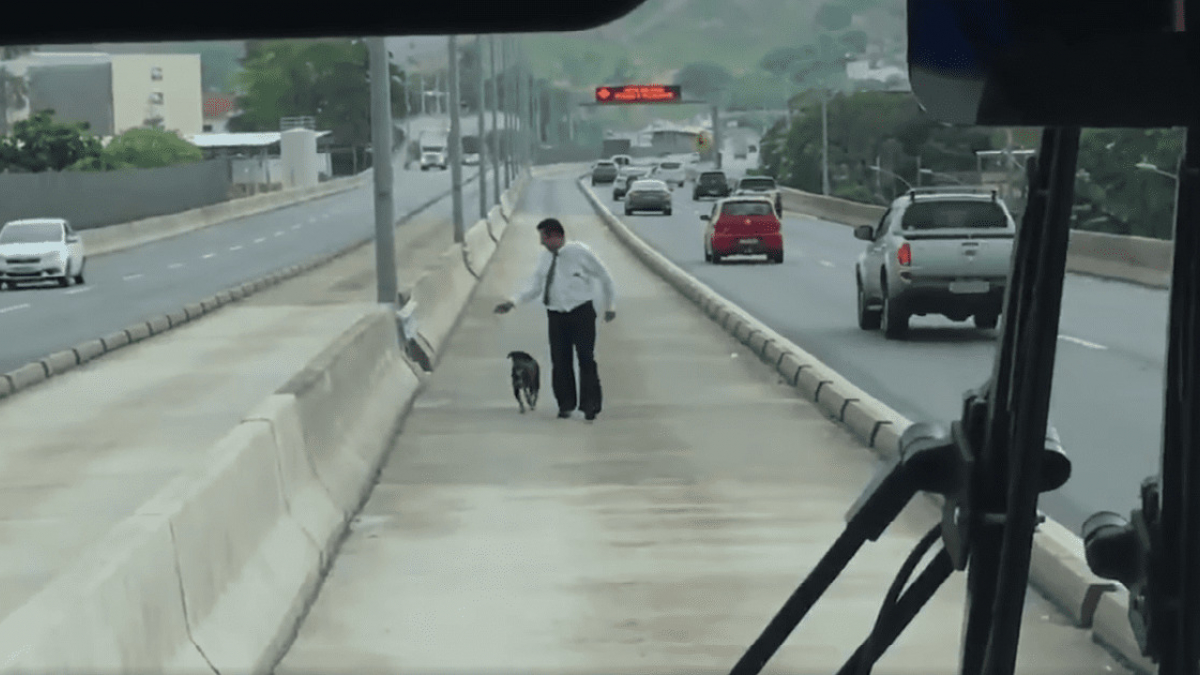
{"x": 961, "y": 254}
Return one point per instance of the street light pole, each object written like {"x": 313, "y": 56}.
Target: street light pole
{"x": 506, "y": 54}
{"x": 495, "y": 144}
{"x": 455, "y": 143}
{"x": 824, "y": 147}
{"x": 480, "y": 131}
{"x": 381, "y": 141}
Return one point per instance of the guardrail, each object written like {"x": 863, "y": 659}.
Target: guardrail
{"x": 1139, "y": 260}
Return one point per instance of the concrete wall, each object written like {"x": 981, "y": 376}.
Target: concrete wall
{"x": 133, "y": 86}
{"x": 91, "y": 200}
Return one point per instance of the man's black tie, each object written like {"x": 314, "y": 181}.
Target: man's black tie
{"x": 550, "y": 279}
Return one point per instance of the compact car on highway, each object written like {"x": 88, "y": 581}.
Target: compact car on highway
{"x": 711, "y": 184}
{"x": 40, "y": 249}
{"x": 603, "y": 171}
{"x": 671, "y": 172}
{"x": 935, "y": 251}
{"x": 742, "y": 226}
{"x": 648, "y": 195}
{"x": 626, "y": 176}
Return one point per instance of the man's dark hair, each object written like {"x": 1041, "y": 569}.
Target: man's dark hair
{"x": 551, "y": 226}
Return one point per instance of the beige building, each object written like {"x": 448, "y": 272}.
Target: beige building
{"x": 111, "y": 92}
{"x": 151, "y": 89}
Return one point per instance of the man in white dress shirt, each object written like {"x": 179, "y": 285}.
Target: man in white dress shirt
{"x": 563, "y": 280}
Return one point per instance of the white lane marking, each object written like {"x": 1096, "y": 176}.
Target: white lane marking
{"x": 174, "y": 266}
{"x": 278, "y": 233}
{"x": 313, "y": 219}
{"x": 13, "y": 308}
{"x": 131, "y": 277}
{"x": 1085, "y": 343}
{"x": 297, "y": 226}
{"x": 235, "y": 248}
{"x": 260, "y": 240}
{"x": 75, "y": 291}
{"x": 206, "y": 256}
{"x": 826, "y": 263}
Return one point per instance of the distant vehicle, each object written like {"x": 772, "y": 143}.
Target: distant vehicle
{"x": 39, "y": 249}
{"x": 711, "y": 184}
{"x": 626, "y": 176}
{"x": 615, "y": 146}
{"x": 761, "y": 186}
{"x": 671, "y": 172}
{"x": 742, "y": 226}
{"x": 935, "y": 251}
{"x": 603, "y": 171}
{"x": 648, "y": 195}
{"x": 740, "y": 147}
{"x": 471, "y": 148}
{"x": 621, "y": 160}
{"x": 433, "y": 151}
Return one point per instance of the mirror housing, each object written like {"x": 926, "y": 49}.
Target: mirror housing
{"x": 863, "y": 232}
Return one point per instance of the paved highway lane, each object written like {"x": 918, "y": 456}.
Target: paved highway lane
{"x": 138, "y": 283}
{"x": 1107, "y": 397}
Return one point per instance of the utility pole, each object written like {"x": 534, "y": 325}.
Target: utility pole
{"x": 495, "y": 145}
{"x": 824, "y": 145}
{"x": 455, "y": 143}
{"x": 381, "y": 140}
{"x": 480, "y": 132}
{"x": 506, "y": 54}
{"x": 717, "y": 136}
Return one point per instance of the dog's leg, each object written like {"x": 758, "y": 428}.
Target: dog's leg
{"x": 517, "y": 393}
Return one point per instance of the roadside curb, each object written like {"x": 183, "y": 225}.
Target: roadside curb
{"x": 1057, "y": 567}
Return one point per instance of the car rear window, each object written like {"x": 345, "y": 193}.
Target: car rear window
{"x": 757, "y": 184}
{"x": 31, "y": 233}
{"x": 712, "y": 177}
{"x": 944, "y": 215}
{"x": 650, "y": 186}
{"x": 605, "y": 165}
{"x": 746, "y": 209}
{"x": 671, "y": 165}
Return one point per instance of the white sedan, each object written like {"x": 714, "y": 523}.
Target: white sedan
{"x": 40, "y": 249}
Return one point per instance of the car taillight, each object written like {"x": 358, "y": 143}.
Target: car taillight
{"x": 904, "y": 255}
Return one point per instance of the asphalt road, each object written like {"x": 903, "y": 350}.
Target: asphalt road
{"x": 1107, "y": 396}
{"x": 139, "y": 283}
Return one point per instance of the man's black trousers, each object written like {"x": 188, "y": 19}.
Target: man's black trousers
{"x": 573, "y": 334}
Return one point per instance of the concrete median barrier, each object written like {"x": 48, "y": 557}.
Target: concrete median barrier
{"x": 441, "y": 296}
{"x": 244, "y": 564}
{"x": 479, "y": 247}
{"x": 1057, "y": 567}
{"x": 117, "y": 610}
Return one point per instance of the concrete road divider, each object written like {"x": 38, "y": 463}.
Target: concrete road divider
{"x": 117, "y": 610}
{"x": 214, "y": 573}
{"x": 243, "y": 563}
{"x": 27, "y": 375}
{"x": 480, "y": 246}
{"x": 1057, "y": 567}
{"x": 89, "y": 350}
{"x": 60, "y": 362}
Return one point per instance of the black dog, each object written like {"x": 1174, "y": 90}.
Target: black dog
{"x": 526, "y": 377}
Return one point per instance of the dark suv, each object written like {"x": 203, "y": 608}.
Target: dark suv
{"x": 711, "y": 184}
{"x": 604, "y": 171}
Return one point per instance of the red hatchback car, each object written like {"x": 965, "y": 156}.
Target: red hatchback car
{"x": 743, "y": 226}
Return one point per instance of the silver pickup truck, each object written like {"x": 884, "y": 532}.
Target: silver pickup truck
{"x": 935, "y": 251}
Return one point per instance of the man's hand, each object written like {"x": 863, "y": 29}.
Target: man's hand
{"x": 504, "y": 307}
{"x": 609, "y": 316}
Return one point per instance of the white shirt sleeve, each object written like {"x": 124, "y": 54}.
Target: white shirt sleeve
{"x": 531, "y": 286}
{"x": 592, "y": 263}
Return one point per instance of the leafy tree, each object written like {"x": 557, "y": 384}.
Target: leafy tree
{"x": 41, "y": 144}
{"x": 151, "y": 148}
{"x": 327, "y": 79}
{"x": 1118, "y": 197}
